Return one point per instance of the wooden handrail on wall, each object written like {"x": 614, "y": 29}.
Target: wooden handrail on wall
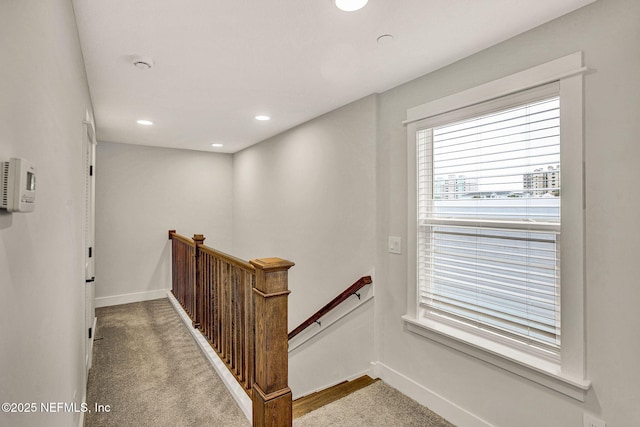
{"x": 241, "y": 308}
{"x": 363, "y": 281}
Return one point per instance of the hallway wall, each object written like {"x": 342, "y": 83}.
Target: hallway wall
{"x": 328, "y": 193}
{"x": 308, "y": 195}
{"x": 143, "y": 191}
{"x": 43, "y": 100}
{"x": 608, "y": 33}
{"x": 289, "y": 191}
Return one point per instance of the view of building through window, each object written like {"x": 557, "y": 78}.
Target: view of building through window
{"x": 540, "y": 182}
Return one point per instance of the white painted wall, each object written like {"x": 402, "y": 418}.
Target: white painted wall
{"x": 308, "y": 195}
{"x": 43, "y": 98}
{"x": 608, "y": 32}
{"x": 326, "y": 195}
{"x": 287, "y": 193}
{"x": 141, "y": 193}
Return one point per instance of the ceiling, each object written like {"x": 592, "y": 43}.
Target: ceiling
{"x": 219, "y": 63}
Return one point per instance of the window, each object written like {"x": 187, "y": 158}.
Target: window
{"x": 489, "y": 219}
{"x": 497, "y": 218}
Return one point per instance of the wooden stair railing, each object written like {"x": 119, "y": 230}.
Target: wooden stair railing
{"x": 241, "y": 309}
{"x": 183, "y": 271}
{"x": 351, "y": 290}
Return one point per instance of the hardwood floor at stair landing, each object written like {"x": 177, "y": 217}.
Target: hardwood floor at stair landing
{"x": 313, "y": 401}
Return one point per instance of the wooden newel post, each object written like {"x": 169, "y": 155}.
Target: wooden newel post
{"x": 271, "y": 392}
{"x": 198, "y": 239}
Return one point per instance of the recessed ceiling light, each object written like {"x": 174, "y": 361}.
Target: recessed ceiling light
{"x": 145, "y": 122}
{"x": 217, "y": 145}
{"x": 350, "y": 5}
{"x": 385, "y": 39}
{"x": 263, "y": 118}
{"x": 142, "y": 62}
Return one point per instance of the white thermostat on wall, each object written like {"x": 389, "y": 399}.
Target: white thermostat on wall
{"x": 17, "y": 185}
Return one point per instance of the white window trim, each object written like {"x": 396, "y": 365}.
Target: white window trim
{"x": 569, "y": 375}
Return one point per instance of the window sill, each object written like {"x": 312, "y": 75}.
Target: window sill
{"x": 531, "y": 367}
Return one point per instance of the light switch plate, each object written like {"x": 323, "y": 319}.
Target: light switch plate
{"x": 395, "y": 245}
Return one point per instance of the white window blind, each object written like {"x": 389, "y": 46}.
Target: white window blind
{"x": 489, "y": 190}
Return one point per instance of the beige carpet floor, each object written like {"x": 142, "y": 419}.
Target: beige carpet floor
{"x": 150, "y": 372}
{"x": 377, "y": 405}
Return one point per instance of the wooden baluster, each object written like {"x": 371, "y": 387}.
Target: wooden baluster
{"x": 204, "y": 326}
{"x": 177, "y": 273}
{"x": 173, "y": 263}
{"x": 197, "y": 285}
{"x": 224, "y": 311}
{"x": 182, "y": 278}
{"x": 209, "y": 297}
{"x": 271, "y": 393}
{"x": 236, "y": 304}
{"x": 207, "y": 300}
{"x": 183, "y": 272}
{"x": 214, "y": 301}
{"x": 234, "y": 320}
{"x": 249, "y": 343}
{"x": 220, "y": 306}
{"x": 227, "y": 317}
{"x": 186, "y": 252}
{"x": 203, "y": 290}
{"x": 216, "y": 314}
{"x": 187, "y": 278}
{"x": 186, "y": 274}
{"x": 180, "y": 274}
{"x": 242, "y": 327}
{"x": 216, "y": 305}
{"x": 190, "y": 283}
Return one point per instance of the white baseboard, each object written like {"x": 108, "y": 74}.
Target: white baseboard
{"x": 236, "y": 390}
{"x": 426, "y": 397}
{"x": 128, "y": 298}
